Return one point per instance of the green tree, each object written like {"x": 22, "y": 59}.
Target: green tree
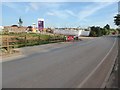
{"x": 96, "y": 31}
{"x": 20, "y": 22}
{"x": 107, "y": 27}
{"x": 117, "y": 21}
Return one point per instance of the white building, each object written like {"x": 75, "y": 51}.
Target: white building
{"x": 1, "y": 28}
{"x": 34, "y": 25}
{"x": 72, "y": 32}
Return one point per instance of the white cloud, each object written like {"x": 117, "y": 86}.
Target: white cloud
{"x": 90, "y": 10}
{"x": 58, "y": 13}
{"x": 83, "y": 14}
{"x": 10, "y": 5}
{"x": 35, "y": 6}
{"x": 54, "y": 9}
{"x": 43, "y": 5}
{"x": 60, "y": 0}
{"x": 61, "y": 13}
{"x": 27, "y": 9}
{"x": 14, "y": 6}
{"x": 31, "y": 6}
{"x": 70, "y": 13}
{"x": 50, "y": 13}
{"x": 17, "y": 8}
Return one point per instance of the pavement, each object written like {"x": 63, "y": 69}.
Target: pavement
{"x": 58, "y": 66}
{"x": 113, "y": 81}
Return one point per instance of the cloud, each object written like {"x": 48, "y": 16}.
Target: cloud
{"x": 70, "y": 13}
{"x": 61, "y": 13}
{"x": 15, "y": 6}
{"x": 51, "y": 13}
{"x": 31, "y": 6}
{"x": 58, "y": 13}
{"x": 81, "y": 15}
{"x": 90, "y": 10}
{"x": 27, "y": 9}
{"x": 60, "y": 0}
{"x": 35, "y": 6}
{"x": 10, "y": 5}
{"x": 43, "y": 5}
{"x": 57, "y": 10}
{"x": 54, "y": 9}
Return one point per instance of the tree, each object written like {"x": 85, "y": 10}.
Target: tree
{"x": 107, "y": 27}
{"x": 14, "y": 26}
{"x": 20, "y": 22}
{"x": 96, "y": 31}
{"x": 29, "y": 28}
{"x": 117, "y": 20}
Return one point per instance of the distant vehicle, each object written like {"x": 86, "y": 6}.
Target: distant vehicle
{"x": 70, "y": 38}
{"x": 113, "y": 33}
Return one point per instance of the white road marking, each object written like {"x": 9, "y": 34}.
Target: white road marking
{"x": 85, "y": 80}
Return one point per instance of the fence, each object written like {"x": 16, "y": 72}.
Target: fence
{"x": 14, "y": 41}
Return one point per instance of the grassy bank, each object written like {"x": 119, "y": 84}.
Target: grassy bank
{"x": 17, "y": 40}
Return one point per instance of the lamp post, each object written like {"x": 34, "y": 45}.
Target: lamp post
{"x": 119, "y": 12}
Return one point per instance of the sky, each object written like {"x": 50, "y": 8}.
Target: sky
{"x": 60, "y": 14}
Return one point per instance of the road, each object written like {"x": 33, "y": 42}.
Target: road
{"x": 64, "y": 67}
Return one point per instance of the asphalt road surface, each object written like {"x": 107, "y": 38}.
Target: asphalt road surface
{"x": 64, "y": 67}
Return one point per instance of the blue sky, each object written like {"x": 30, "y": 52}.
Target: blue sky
{"x": 60, "y": 14}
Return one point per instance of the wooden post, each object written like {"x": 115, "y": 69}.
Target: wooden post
{"x": 25, "y": 40}
{"x": 54, "y": 37}
{"x": 7, "y": 39}
{"x": 39, "y": 38}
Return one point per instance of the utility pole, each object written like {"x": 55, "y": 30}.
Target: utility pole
{"x": 118, "y": 17}
{"x": 119, "y": 7}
